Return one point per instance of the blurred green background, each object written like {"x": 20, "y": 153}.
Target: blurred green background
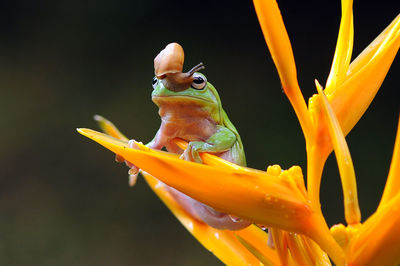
{"x": 63, "y": 199}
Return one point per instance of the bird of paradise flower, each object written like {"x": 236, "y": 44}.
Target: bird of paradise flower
{"x": 279, "y": 199}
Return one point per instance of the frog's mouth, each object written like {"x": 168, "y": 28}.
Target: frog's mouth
{"x": 179, "y": 99}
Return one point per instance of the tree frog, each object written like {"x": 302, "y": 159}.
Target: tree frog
{"x": 190, "y": 108}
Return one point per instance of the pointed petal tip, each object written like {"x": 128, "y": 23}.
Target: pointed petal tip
{"x": 103, "y": 139}
{"x": 98, "y": 118}
{"x": 318, "y": 86}
{"x": 84, "y": 131}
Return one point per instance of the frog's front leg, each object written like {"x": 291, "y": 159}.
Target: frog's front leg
{"x": 222, "y": 140}
{"x": 157, "y": 143}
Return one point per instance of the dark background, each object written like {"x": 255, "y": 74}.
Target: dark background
{"x": 64, "y": 201}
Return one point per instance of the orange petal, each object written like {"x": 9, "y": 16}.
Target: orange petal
{"x": 109, "y": 128}
{"x": 298, "y": 249}
{"x": 365, "y": 56}
{"x": 257, "y": 252}
{"x": 280, "y": 243}
{"x": 277, "y": 39}
{"x": 222, "y": 243}
{"x": 345, "y": 164}
{"x": 316, "y": 157}
{"x": 344, "y": 47}
{"x": 278, "y": 42}
{"x": 351, "y": 98}
{"x": 318, "y": 256}
{"x": 378, "y": 240}
{"x": 274, "y": 201}
{"x": 392, "y": 187}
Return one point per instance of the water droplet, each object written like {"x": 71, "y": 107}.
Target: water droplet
{"x": 158, "y": 185}
{"x": 263, "y": 227}
{"x": 235, "y": 219}
{"x": 190, "y": 226}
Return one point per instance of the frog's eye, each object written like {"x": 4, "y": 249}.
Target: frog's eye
{"x": 199, "y": 82}
{"x": 154, "y": 82}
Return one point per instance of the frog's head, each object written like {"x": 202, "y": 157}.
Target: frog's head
{"x": 171, "y": 85}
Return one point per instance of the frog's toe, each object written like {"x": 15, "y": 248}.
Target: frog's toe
{"x": 132, "y": 144}
{"x": 186, "y": 155}
{"x": 133, "y": 174}
{"x": 196, "y": 157}
{"x": 119, "y": 158}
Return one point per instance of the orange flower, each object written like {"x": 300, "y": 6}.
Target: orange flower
{"x": 279, "y": 199}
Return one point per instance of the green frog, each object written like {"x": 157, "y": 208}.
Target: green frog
{"x": 190, "y": 108}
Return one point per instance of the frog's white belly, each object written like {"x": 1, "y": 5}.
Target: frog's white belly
{"x": 191, "y": 122}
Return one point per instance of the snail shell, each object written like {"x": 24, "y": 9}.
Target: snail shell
{"x": 170, "y": 60}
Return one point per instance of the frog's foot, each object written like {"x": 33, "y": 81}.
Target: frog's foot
{"x": 119, "y": 158}
{"x": 134, "y": 170}
{"x": 191, "y": 153}
{"x": 219, "y": 219}
{"x": 207, "y": 214}
{"x": 186, "y": 155}
{"x": 133, "y": 174}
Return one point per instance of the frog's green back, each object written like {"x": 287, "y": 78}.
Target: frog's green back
{"x": 224, "y": 121}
